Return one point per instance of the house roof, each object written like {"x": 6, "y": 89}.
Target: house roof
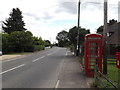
{"x": 113, "y": 28}
{"x": 115, "y": 38}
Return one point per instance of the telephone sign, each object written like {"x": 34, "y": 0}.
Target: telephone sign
{"x": 92, "y": 53}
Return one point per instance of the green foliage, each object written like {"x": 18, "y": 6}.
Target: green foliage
{"x": 73, "y": 32}
{"x": 100, "y": 29}
{"x": 39, "y": 47}
{"x": 113, "y": 72}
{"x": 47, "y": 43}
{"x": 62, "y": 38}
{"x": 14, "y": 22}
{"x": 72, "y": 35}
{"x": 6, "y": 44}
{"x": 38, "y": 43}
{"x": 112, "y": 21}
{"x": 20, "y": 40}
{"x": 113, "y": 75}
{"x": 16, "y": 38}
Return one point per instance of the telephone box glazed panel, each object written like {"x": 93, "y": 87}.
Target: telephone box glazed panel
{"x": 92, "y": 53}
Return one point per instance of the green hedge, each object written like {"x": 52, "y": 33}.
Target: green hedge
{"x": 39, "y": 47}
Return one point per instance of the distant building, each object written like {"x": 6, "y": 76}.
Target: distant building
{"x": 113, "y": 40}
{"x": 114, "y": 34}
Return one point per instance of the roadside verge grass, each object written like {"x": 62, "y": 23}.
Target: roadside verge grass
{"x": 20, "y": 53}
{"x": 113, "y": 74}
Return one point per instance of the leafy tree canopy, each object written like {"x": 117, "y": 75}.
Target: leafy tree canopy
{"x": 62, "y": 38}
{"x": 21, "y": 39}
{"x": 47, "y": 43}
{"x": 73, "y": 32}
{"x": 14, "y": 22}
{"x": 38, "y": 41}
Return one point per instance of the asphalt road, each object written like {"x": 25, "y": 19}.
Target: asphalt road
{"x": 37, "y": 70}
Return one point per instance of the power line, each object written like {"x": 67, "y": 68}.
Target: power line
{"x": 101, "y": 4}
{"x": 84, "y": 2}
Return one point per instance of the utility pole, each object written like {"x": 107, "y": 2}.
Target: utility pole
{"x": 78, "y": 41}
{"x": 105, "y": 32}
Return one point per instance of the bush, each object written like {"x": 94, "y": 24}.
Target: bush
{"x": 29, "y": 48}
{"x": 20, "y": 40}
{"x": 39, "y": 47}
{"x": 6, "y": 44}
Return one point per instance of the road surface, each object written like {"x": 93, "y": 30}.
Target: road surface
{"x": 37, "y": 70}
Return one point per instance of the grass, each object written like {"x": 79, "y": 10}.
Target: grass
{"x": 113, "y": 74}
{"x": 22, "y": 53}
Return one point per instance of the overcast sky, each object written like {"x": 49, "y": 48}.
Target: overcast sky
{"x": 45, "y": 18}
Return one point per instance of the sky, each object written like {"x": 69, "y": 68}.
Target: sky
{"x": 46, "y": 18}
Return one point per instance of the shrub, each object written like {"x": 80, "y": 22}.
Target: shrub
{"x": 39, "y": 47}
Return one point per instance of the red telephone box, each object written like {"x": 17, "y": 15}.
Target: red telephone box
{"x": 92, "y": 53}
{"x": 118, "y": 60}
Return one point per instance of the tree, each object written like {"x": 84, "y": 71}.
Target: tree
{"x": 73, "y": 32}
{"x": 100, "y": 29}
{"x": 62, "y": 38}
{"x": 72, "y": 35}
{"x": 6, "y": 45}
{"x": 14, "y": 22}
{"x": 111, "y": 22}
{"x": 38, "y": 43}
{"x": 20, "y": 40}
{"x": 47, "y": 43}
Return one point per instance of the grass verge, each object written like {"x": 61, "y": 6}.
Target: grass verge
{"x": 113, "y": 75}
{"x": 22, "y": 53}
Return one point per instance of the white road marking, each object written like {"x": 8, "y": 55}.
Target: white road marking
{"x": 12, "y": 68}
{"x": 38, "y": 59}
{"x": 57, "y": 84}
{"x": 48, "y": 54}
{"x": 42, "y": 57}
{"x": 35, "y": 60}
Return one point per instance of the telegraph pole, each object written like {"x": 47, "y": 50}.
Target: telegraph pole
{"x": 78, "y": 41}
{"x": 105, "y": 31}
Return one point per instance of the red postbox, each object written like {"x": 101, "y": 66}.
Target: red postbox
{"x": 118, "y": 60}
{"x": 92, "y": 53}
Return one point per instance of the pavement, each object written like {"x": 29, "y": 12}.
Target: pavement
{"x": 8, "y": 57}
{"x": 71, "y": 75}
